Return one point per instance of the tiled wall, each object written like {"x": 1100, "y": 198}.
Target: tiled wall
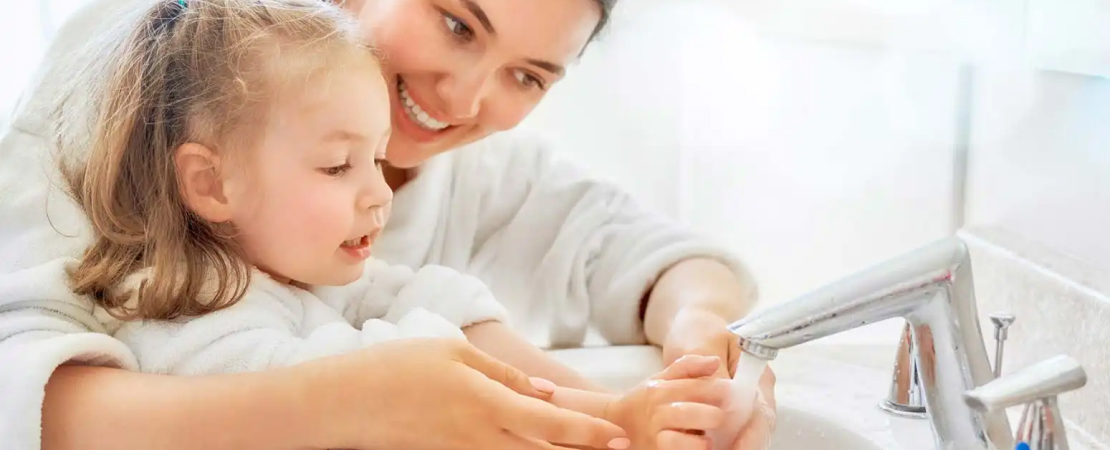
{"x": 1061, "y": 307}
{"x": 1040, "y": 159}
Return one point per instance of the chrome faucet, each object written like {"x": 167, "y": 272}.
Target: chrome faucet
{"x": 906, "y": 397}
{"x": 932, "y": 289}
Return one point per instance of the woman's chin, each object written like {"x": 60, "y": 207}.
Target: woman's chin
{"x": 408, "y": 155}
{"x": 405, "y": 152}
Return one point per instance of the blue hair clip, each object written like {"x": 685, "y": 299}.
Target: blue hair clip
{"x": 170, "y": 13}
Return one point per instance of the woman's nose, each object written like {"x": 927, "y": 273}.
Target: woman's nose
{"x": 463, "y": 93}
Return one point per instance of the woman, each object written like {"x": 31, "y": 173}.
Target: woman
{"x": 548, "y": 241}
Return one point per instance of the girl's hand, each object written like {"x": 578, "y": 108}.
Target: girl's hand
{"x": 698, "y": 332}
{"x": 756, "y": 435}
{"x": 668, "y": 411}
{"x": 439, "y": 394}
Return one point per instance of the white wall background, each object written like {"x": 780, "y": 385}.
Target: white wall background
{"x": 811, "y": 160}
{"x": 819, "y": 137}
{"x": 816, "y": 137}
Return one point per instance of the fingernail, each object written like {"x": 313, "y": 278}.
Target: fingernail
{"x": 620, "y": 443}
{"x": 542, "y": 385}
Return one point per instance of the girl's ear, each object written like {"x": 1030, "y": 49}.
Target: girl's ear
{"x": 198, "y": 174}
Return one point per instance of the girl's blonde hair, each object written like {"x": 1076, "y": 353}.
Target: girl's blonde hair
{"x": 200, "y": 71}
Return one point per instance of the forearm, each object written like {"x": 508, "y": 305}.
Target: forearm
{"x": 501, "y": 342}
{"x": 701, "y": 283}
{"x": 92, "y": 408}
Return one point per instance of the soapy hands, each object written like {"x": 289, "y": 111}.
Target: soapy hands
{"x": 674, "y": 409}
{"x": 698, "y": 332}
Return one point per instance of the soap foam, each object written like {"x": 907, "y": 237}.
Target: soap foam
{"x": 741, "y": 402}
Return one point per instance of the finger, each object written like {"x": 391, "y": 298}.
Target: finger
{"x": 688, "y": 416}
{"x": 756, "y": 435}
{"x": 767, "y": 387}
{"x": 677, "y": 440}
{"x": 505, "y": 374}
{"x": 710, "y": 391}
{"x": 510, "y": 441}
{"x": 535, "y": 419}
{"x": 734, "y": 353}
{"x": 690, "y": 366}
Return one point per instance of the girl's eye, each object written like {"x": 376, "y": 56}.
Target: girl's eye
{"x": 528, "y": 80}
{"x": 457, "y": 27}
{"x": 336, "y": 171}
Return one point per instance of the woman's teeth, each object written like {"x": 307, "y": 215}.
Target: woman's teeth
{"x": 418, "y": 115}
{"x": 354, "y": 242}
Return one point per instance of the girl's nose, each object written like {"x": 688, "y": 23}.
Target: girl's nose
{"x": 376, "y": 194}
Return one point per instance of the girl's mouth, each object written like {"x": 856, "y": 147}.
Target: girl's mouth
{"x": 359, "y": 248}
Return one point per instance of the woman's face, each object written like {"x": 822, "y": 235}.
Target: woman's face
{"x": 459, "y": 70}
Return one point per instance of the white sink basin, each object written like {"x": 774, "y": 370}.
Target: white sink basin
{"x": 822, "y": 403}
{"x": 800, "y": 430}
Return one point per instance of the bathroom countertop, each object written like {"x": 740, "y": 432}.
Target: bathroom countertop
{"x": 842, "y": 383}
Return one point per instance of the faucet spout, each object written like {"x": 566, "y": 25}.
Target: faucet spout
{"x": 932, "y": 289}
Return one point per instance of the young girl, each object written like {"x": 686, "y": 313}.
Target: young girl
{"x": 236, "y": 161}
{"x": 234, "y": 189}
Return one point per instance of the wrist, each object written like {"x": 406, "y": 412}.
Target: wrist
{"x": 702, "y": 314}
{"x": 696, "y": 285}
{"x": 286, "y": 405}
{"x": 310, "y": 404}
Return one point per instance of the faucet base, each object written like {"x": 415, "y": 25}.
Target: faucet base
{"x": 903, "y": 411}
{"x": 906, "y": 397}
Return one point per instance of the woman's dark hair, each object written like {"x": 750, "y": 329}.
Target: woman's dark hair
{"x": 606, "y": 7}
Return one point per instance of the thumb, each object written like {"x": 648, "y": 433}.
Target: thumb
{"x": 507, "y": 375}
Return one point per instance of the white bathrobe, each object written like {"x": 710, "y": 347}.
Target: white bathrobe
{"x": 277, "y": 325}
{"x": 562, "y": 252}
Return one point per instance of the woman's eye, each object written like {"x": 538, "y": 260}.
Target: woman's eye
{"x": 528, "y": 80}
{"x": 336, "y": 171}
{"x": 457, "y": 27}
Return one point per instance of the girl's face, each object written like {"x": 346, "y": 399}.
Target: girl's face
{"x": 311, "y": 199}
{"x": 459, "y": 70}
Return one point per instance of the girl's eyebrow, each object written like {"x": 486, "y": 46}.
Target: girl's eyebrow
{"x": 343, "y": 135}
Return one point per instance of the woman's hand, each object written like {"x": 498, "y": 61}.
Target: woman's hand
{"x": 672, "y": 410}
{"x": 440, "y": 394}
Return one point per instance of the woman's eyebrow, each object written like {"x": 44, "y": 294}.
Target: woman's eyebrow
{"x": 548, "y": 66}
{"x": 481, "y": 15}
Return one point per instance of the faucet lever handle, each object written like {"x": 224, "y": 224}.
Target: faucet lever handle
{"x": 1002, "y": 322}
{"x": 1045, "y": 379}
{"x": 1041, "y": 426}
